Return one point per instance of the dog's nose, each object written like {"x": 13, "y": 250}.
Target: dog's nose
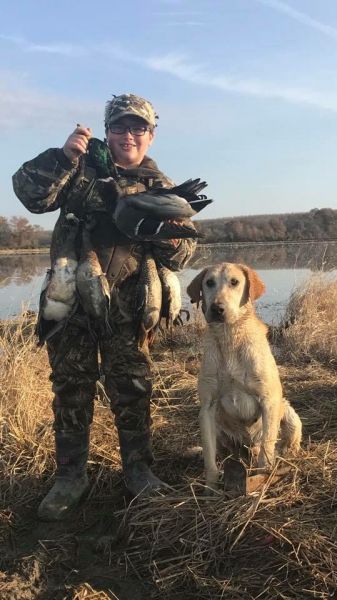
{"x": 217, "y": 308}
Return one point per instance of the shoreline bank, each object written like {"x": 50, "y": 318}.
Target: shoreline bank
{"x": 12, "y": 251}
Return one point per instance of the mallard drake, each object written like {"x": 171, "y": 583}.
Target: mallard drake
{"x": 155, "y": 214}
{"x": 148, "y": 300}
{"x": 92, "y": 285}
{"x": 58, "y": 294}
{"x": 159, "y": 213}
{"x": 100, "y": 156}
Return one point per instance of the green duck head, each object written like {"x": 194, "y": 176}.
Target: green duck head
{"x": 100, "y": 156}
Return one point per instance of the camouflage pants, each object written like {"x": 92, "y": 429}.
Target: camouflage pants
{"x": 73, "y": 356}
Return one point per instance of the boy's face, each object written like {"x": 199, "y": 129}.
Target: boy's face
{"x": 129, "y": 149}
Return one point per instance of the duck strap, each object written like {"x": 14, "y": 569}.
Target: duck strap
{"x": 119, "y": 257}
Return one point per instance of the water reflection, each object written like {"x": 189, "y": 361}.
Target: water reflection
{"x": 21, "y": 278}
{"x": 281, "y": 266}
{"x": 316, "y": 256}
{"x": 22, "y": 269}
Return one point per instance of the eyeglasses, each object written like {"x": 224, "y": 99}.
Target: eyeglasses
{"x": 133, "y": 129}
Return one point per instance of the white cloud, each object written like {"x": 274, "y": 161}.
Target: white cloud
{"x": 175, "y": 65}
{"x": 63, "y": 49}
{"x": 184, "y": 23}
{"x": 178, "y": 67}
{"x": 301, "y": 17}
{"x": 59, "y": 48}
{"x": 180, "y": 13}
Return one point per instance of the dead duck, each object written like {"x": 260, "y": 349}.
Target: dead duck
{"x": 159, "y": 213}
{"x": 148, "y": 301}
{"x": 58, "y": 294}
{"x": 92, "y": 285}
{"x": 171, "y": 297}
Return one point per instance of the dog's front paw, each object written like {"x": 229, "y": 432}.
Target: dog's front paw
{"x": 211, "y": 490}
{"x": 212, "y": 484}
{"x": 266, "y": 460}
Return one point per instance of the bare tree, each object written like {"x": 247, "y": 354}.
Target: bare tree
{"x": 5, "y": 233}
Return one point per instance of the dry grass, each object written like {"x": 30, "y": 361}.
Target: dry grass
{"x": 279, "y": 543}
{"x": 311, "y": 321}
{"x": 25, "y": 394}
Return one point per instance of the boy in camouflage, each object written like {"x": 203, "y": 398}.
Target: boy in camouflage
{"x": 59, "y": 179}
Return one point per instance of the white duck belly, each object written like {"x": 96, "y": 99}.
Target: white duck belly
{"x": 171, "y": 295}
{"x": 55, "y": 311}
{"x": 62, "y": 285}
{"x": 58, "y": 295}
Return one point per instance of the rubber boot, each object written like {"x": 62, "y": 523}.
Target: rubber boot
{"x": 71, "y": 480}
{"x": 137, "y": 457}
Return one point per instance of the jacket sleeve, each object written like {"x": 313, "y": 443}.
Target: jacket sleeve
{"x": 40, "y": 183}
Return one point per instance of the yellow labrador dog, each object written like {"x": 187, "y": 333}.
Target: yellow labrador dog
{"x": 242, "y": 404}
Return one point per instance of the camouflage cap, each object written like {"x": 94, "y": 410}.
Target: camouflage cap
{"x": 129, "y": 104}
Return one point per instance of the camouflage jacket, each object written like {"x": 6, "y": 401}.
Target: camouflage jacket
{"x": 50, "y": 182}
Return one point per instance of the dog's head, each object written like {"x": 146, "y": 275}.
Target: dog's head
{"x": 224, "y": 290}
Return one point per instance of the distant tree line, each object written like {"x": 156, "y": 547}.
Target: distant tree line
{"x": 317, "y": 224}
{"x": 17, "y": 232}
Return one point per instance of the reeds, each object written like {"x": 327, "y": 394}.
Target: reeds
{"x": 310, "y": 322}
{"x": 25, "y": 393}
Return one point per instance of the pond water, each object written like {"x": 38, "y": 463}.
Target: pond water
{"x": 282, "y": 267}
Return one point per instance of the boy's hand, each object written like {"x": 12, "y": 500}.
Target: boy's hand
{"x": 77, "y": 143}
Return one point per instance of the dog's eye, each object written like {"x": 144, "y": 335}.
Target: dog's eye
{"x": 234, "y": 282}
{"x": 210, "y": 283}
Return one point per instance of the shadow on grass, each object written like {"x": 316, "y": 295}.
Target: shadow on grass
{"x": 44, "y": 560}
{"x": 55, "y": 561}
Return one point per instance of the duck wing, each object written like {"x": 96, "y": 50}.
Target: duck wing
{"x": 198, "y": 204}
{"x": 154, "y": 216}
{"x": 159, "y": 212}
{"x": 156, "y": 205}
{"x": 189, "y": 189}
{"x": 137, "y": 227}
{"x": 180, "y": 201}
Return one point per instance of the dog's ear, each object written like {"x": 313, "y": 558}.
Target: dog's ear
{"x": 256, "y": 286}
{"x": 194, "y": 288}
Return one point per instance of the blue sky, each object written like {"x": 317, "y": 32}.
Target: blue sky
{"x": 246, "y": 91}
